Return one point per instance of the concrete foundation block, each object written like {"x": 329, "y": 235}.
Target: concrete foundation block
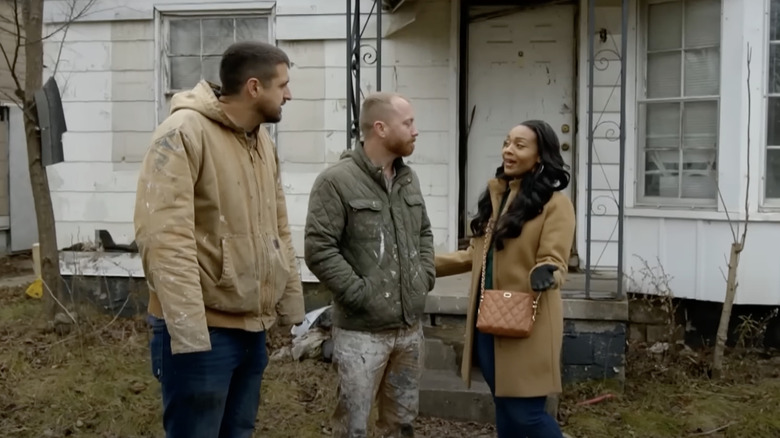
{"x": 659, "y": 333}
{"x": 644, "y": 312}
{"x": 444, "y": 395}
{"x": 637, "y": 333}
{"x": 440, "y": 356}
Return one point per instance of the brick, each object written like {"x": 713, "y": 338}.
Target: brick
{"x": 637, "y": 333}
{"x": 659, "y": 333}
{"x": 577, "y": 349}
{"x": 643, "y": 312}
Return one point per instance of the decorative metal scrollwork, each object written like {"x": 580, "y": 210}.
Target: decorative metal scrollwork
{"x": 360, "y": 54}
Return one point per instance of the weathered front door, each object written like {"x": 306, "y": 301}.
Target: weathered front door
{"x": 521, "y": 67}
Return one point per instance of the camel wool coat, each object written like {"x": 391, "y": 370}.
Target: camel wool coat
{"x": 527, "y": 367}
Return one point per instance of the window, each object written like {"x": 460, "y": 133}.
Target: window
{"x": 772, "y": 181}
{"x": 679, "y": 102}
{"x": 193, "y": 45}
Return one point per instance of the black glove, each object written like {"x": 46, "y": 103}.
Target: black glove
{"x": 542, "y": 277}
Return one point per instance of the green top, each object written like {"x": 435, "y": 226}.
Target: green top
{"x": 489, "y": 258}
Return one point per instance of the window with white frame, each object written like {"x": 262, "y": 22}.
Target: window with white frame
{"x": 193, "y": 45}
{"x": 679, "y": 102}
{"x": 772, "y": 180}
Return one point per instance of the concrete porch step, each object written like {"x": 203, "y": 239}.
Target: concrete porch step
{"x": 443, "y": 394}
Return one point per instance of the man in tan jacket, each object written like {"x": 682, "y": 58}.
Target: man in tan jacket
{"x": 211, "y": 226}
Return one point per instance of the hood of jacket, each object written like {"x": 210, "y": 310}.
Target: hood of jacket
{"x": 204, "y": 99}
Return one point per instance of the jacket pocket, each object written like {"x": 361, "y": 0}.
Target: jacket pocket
{"x": 414, "y": 207}
{"x": 274, "y": 271}
{"x": 238, "y": 288}
{"x": 365, "y": 219}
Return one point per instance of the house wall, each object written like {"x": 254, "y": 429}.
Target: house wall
{"x": 110, "y": 124}
{"x": 107, "y": 75}
{"x": 689, "y": 247}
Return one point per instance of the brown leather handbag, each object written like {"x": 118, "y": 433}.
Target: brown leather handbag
{"x": 504, "y": 313}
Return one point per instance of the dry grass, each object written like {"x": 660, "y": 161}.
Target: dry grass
{"x": 97, "y": 383}
{"x": 672, "y": 395}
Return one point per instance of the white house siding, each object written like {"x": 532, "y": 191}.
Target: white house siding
{"x": 107, "y": 75}
{"x": 692, "y": 245}
{"x": 106, "y": 78}
{"x": 109, "y": 98}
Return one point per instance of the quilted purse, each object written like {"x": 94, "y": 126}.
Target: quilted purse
{"x": 504, "y": 313}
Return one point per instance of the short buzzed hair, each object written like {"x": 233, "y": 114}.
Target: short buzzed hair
{"x": 376, "y": 107}
{"x": 249, "y": 59}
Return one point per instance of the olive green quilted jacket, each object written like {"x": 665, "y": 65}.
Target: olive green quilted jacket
{"x": 372, "y": 248}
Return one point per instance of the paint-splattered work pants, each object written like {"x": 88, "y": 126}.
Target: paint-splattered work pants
{"x": 384, "y": 366}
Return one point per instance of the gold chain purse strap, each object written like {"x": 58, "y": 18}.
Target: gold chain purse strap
{"x": 487, "y": 245}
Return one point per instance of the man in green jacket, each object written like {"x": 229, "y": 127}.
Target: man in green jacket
{"x": 369, "y": 240}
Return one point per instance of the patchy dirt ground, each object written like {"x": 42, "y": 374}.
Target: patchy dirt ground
{"x": 97, "y": 383}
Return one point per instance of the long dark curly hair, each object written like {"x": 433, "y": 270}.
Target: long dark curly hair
{"x": 537, "y": 187}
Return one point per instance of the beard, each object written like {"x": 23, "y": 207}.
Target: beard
{"x": 269, "y": 112}
{"x": 401, "y": 148}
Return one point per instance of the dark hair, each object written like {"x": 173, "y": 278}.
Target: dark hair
{"x": 249, "y": 59}
{"x": 537, "y": 187}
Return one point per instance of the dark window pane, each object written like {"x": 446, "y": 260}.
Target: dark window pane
{"x": 185, "y": 72}
{"x": 773, "y": 122}
{"x": 217, "y": 35}
{"x": 702, "y": 72}
{"x": 663, "y": 74}
{"x": 700, "y": 125}
{"x": 211, "y": 68}
{"x": 774, "y": 68}
{"x": 702, "y": 23}
{"x": 252, "y": 29}
{"x": 664, "y": 26}
{"x": 663, "y": 125}
{"x": 661, "y": 174}
{"x": 699, "y": 174}
{"x": 185, "y": 37}
{"x": 773, "y": 173}
{"x": 774, "y": 20}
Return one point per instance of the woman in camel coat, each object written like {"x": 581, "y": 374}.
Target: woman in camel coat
{"x": 530, "y": 249}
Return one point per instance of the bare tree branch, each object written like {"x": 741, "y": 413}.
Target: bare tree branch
{"x": 73, "y": 16}
{"x": 728, "y": 216}
{"x": 12, "y": 98}
{"x": 11, "y": 63}
{"x": 747, "y": 184}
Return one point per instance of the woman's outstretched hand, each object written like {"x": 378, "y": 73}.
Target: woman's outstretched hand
{"x": 542, "y": 277}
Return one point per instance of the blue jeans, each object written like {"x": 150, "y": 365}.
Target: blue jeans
{"x": 515, "y": 417}
{"x": 211, "y": 394}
